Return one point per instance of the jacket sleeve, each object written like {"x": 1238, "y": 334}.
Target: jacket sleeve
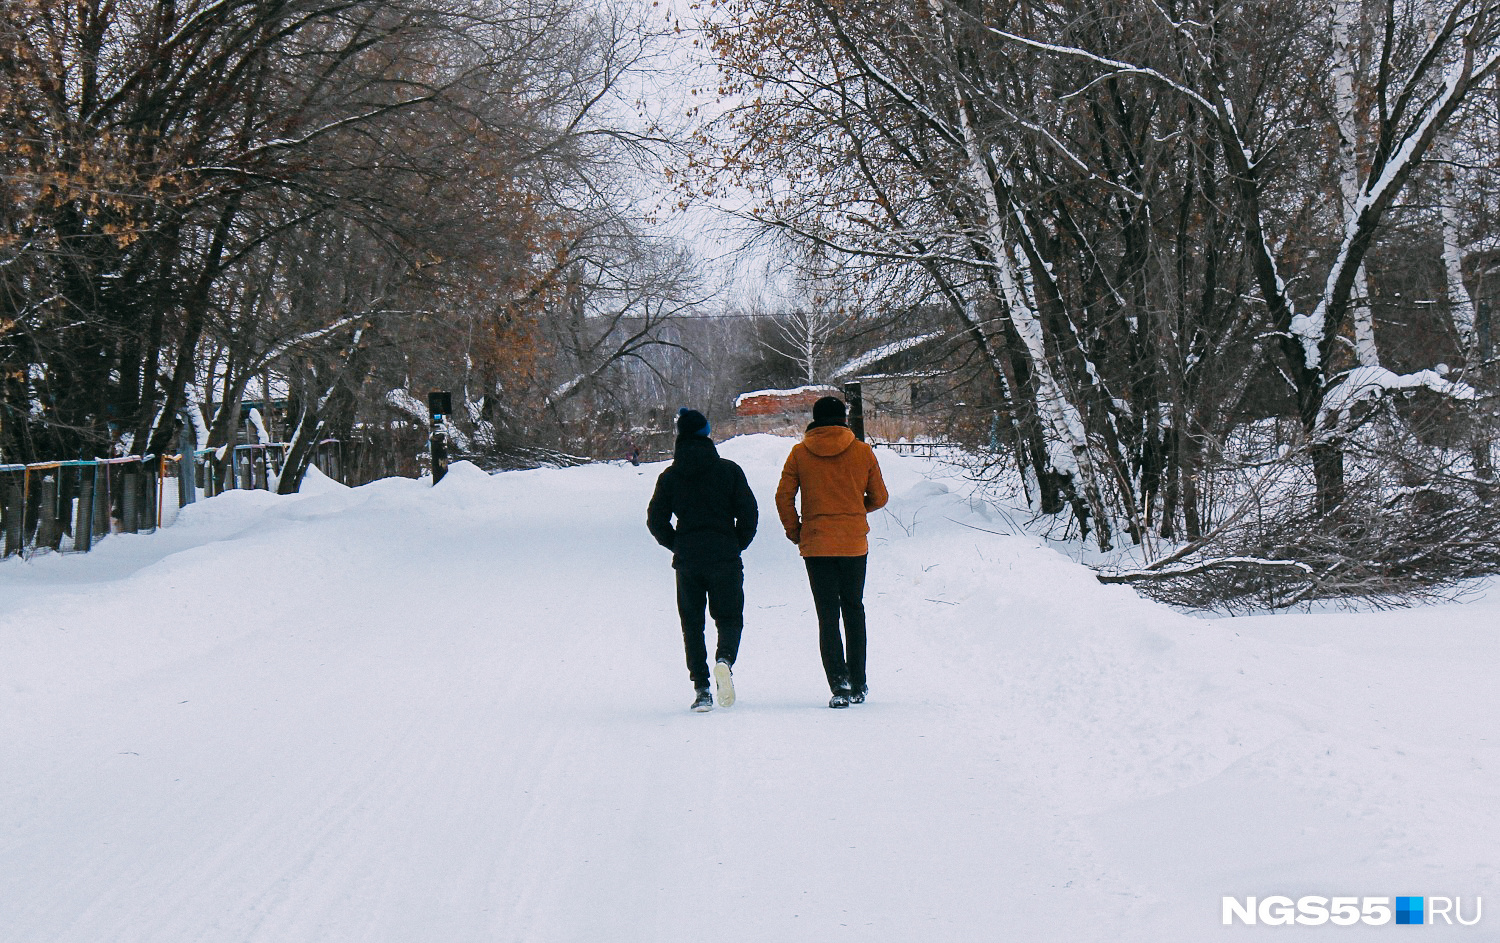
{"x": 875, "y": 494}
{"x": 786, "y": 492}
{"x": 746, "y": 513}
{"x": 659, "y": 512}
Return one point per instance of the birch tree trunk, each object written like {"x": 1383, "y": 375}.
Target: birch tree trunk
{"x": 1460, "y": 302}
{"x": 1060, "y": 414}
{"x": 1346, "y": 17}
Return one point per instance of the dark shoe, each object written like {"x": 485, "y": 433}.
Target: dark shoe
{"x": 857, "y": 696}
{"x": 840, "y": 699}
{"x": 725, "y": 682}
{"x": 704, "y": 702}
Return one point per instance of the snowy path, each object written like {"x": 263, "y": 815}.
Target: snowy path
{"x": 459, "y": 714}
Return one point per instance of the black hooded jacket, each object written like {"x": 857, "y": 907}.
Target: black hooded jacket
{"x": 715, "y": 510}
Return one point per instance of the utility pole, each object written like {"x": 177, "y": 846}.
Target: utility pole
{"x": 856, "y": 401}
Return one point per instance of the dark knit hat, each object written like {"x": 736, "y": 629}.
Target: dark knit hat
{"x": 828, "y": 409}
{"x": 691, "y": 422}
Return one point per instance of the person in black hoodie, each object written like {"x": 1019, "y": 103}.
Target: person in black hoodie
{"x": 716, "y": 518}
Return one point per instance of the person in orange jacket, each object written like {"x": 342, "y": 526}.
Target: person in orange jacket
{"x": 840, "y": 483}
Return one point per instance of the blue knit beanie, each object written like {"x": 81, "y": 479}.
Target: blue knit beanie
{"x": 691, "y": 422}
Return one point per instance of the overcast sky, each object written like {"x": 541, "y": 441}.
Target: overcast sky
{"x": 737, "y": 276}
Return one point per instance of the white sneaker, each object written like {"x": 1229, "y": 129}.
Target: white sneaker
{"x": 725, "y": 682}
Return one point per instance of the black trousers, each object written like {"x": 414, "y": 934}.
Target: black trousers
{"x": 723, "y": 587}
{"x": 838, "y": 588}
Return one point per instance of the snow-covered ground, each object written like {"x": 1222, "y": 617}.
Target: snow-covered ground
{"x": 405, "y": 713}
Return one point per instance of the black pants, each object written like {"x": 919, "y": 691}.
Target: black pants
{"x": 838, "y": 587}
{"x": 723, "y": 586}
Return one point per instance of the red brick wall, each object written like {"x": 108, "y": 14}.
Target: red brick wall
{"x": 782, "y": 402}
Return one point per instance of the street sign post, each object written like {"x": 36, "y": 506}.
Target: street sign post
{"x": 440, "y": 406}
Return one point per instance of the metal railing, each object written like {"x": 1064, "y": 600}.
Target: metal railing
{"x": 69, "y": 506}
{"x": 922, "y": 449}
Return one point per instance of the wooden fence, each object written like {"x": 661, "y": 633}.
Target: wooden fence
{"x": 69, "y": 506}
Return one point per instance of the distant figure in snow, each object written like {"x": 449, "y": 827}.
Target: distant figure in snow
{"x": 635, "y": 454}
{"x": 716, "y": 517}
{"x": 840, "y": 483}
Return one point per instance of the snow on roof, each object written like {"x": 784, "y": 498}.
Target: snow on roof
{"x": 566, "y": 387}
{"x": 801, "y": 390}
{"x": 911, "y": 375}
{"x": 871, "y": 357}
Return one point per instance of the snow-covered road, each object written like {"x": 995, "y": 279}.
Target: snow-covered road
{"x": 400, "y": 713}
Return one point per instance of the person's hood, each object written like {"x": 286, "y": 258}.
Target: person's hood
{"x": 694, "y": 455}
{"x": 828, "y": 441}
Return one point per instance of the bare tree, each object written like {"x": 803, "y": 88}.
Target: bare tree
{"x": 1155, "y": 223}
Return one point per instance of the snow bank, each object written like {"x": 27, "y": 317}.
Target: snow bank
{"x": 315, "y": 482}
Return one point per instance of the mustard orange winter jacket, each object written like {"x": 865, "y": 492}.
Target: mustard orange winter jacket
{"x": 840, "y": 483}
